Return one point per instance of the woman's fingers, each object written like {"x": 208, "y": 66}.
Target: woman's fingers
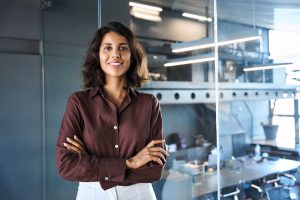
{"x": 156, "y": 154}
{"x": 147, "y": 154}
{"x": 156, "y": 159}
{"x": 154, "y": 142}
{"x": 72, "y": 148}
{"x": 159, "y": 149}
{"x": 75, "y": 145}
{"x": 78, "y": 140}
{"x": 159, "y": 154}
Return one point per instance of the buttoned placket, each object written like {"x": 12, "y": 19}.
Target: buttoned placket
{"x": 115, "y": 129}
{"x": 115, "y": 122}
{"x": 115, "y": 132}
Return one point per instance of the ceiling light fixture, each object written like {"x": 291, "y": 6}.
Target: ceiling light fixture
{"x": 269, "y": 66}
{"x": 198, "y": 17}
{"x": 144, "y": 6}
{"x": 146, "y": 16}
{"x": 209, "y": 42}
{"x": 190, "y": 60}
{"x": 145, "y": 12}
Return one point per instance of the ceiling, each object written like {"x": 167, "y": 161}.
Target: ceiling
{"x": 272, "y": 14}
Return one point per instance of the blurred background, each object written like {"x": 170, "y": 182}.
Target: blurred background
{"x": 226, "y": 72}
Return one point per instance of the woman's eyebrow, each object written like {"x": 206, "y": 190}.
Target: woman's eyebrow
{"x": 106, "y": 43}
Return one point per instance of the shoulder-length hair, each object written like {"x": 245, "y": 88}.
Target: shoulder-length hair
{"x": 137, "y": 74}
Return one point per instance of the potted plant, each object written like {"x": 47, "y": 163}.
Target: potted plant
{"x": 270, "y": 129}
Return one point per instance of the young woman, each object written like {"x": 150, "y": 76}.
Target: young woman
{"x": 111, "y": 137}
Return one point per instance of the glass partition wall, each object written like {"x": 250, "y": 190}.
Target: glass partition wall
{"x": 183, "y": 79}
{"x": 225, "y": 65}
{"x": 258, "y": 116}
{"x": 201, "y": 55}
{"x": 67, "y": 29}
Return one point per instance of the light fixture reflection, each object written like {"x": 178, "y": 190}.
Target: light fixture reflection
{"x": 198, "y": 17}
{"x": 144, "y": 6}
{"x": 266, "y": 67}
{"x": 209, "y": 42}
{"x": 190, "y": 60}
{"x": 145, "y": 12}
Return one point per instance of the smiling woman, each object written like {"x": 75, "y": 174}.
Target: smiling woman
{"x": 114, "y": 55}
{"x": 137, "y": 73}
{"x": 105, "y": 143}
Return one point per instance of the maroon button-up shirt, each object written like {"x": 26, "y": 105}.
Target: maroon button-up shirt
{"x": 111, "y": 136}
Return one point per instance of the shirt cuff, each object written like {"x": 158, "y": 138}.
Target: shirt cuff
{"x": 114, "y": 170}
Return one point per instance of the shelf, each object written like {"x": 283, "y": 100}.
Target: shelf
{"x": 191, "y": 93}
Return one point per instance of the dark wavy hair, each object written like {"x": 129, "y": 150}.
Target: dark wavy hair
{"x": 137, "y": 74}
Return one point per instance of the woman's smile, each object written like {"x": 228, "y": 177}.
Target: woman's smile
{"x": 115, "y": 55}
{"x": 115, "y": 64}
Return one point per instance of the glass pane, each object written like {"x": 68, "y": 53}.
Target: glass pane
{"x": 67, "y": 28}
{"x": 164, "y": 35}
{"x": 185, "y": 91}
{"x": 249, "y": 81}
{"x": 284, "y": 107}
{"x": 286, "y": 132}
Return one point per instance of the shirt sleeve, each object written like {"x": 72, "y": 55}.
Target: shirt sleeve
{"x": 76, "y": 167}
{"x": 152, "y": 171}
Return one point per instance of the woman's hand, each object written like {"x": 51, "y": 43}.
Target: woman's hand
{"x": 75, "y": 145}
{"x": 147, "y": 154}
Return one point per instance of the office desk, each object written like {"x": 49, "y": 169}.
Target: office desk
{"x": 247, "y": 171}
{"x": 278, "y": 149}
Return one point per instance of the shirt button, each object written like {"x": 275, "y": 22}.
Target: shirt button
{"x": 115, "y": 127}
{"x": 116, "y": 146}
{"x": 106, "y": 178}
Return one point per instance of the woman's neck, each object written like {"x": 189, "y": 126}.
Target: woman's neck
{"x": 114, "y": 91}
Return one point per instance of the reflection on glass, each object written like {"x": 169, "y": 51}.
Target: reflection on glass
{"x": 257, "y": 113}
{"x": 158, "y": 36}
{"x": 188, "y": 94}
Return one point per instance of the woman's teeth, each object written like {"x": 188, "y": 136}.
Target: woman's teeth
{"x": 115, "y": 63}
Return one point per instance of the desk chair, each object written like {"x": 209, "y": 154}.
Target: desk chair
{"x": 270, "y": 182}
{"x": 253, "y": 191}
{"x": 257, "y": 189}
{"x": 231, "y": 195}
{"x": 274, "y": 187}
{"x": 233, "y": 192}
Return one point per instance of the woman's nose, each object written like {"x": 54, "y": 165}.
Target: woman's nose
{"x": 116, "y": 54}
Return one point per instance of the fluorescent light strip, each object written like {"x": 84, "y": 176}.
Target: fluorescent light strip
{"x": 190, "y": 60}
{"x": 198, "y": 17}
{"x": 239, "y": 40}
{"x": 274, "y": 66}
{"x": 139, "y": 5}
{"x": 145, "y": 16}
{"x": 191, "y": 48}
{"x": 146, "y": 11}
{"x": 210, "y": 45}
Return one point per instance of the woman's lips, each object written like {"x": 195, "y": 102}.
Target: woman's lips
{"x": 115, "y": 63}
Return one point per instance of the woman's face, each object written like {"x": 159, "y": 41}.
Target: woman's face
{"x": 114, "y": 54}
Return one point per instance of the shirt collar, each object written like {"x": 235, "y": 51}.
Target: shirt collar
{"x": 133, "y": 91}
{"x": 95, "y": 90}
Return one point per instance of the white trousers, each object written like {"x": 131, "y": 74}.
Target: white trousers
{"x": 93, "y": 191}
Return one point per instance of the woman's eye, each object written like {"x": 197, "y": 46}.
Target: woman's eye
{"x": 107, "y": 48}
{"x": 124, "y": 48}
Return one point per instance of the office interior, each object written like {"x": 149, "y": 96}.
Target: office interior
{"x": 217, "y": 101}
